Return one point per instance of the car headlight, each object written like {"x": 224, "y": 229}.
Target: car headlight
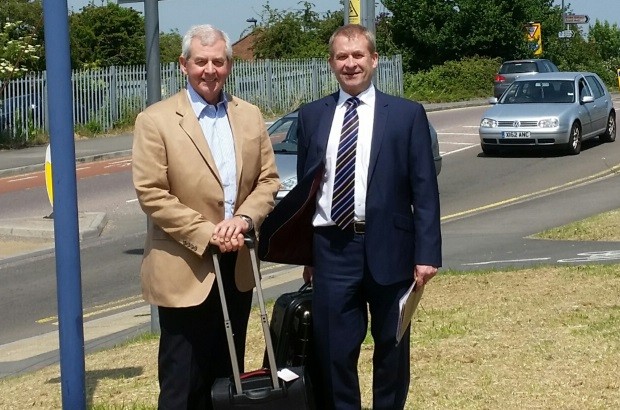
{"x": 488, "y": 123}
{"x": 288, "y": 184}
{"x": 549, "y": 123}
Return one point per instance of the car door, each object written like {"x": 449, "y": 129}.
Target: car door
{"x": 599, "y": 111}
{"x": 586, "y": 110}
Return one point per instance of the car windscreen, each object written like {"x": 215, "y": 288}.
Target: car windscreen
{"x": 283, "y": 135}
{"x": 537, "y": 91}
{"x": 515, "y": 68}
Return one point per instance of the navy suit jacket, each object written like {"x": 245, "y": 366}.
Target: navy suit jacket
{"x": 402, "y": 198}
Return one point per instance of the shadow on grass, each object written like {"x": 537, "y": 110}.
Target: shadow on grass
{"x": 93, "y": 377}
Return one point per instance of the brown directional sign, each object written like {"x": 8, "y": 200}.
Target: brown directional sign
{"x": 576, "y": 19}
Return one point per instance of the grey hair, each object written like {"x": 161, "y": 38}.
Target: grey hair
{"x": 208, "y": 35}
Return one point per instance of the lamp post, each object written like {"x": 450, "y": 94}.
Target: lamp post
{"x": 252, "y": 20}
{"x": 153, "y": 84}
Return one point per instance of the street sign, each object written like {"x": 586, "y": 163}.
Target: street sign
{"x": 566, "y": 34}
{"x": 576, "y": 19}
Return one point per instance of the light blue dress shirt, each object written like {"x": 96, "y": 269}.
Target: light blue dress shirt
{"x": 216, "y": 129}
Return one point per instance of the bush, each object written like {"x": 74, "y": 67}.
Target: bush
{"x": 453, "y": 81}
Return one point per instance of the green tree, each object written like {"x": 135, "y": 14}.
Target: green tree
{"x": 301, "y": 33}
{"x": 21, "y": 21}
{"x": 431, "y": 32}
{"x": 19, "y": 52}
{"x": 602, "y": 52}
{"x": 106, "y": 36}
{"x": 170, "y": 46}
{"x": 606, "y": 38}
{"x": 384, "y": 34}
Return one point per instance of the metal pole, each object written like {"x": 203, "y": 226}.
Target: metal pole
{"x": 153, "y": 86}
{"x": 368, "y": 15}
{"x": 153, "y": 64}
{"x": 66, "y": 227}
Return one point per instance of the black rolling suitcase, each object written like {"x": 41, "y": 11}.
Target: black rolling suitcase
{"x": 261, "y": 389}
{"x": 291, "y": 328}
{"x": 291, "y": 331}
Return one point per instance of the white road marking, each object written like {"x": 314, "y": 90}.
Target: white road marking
{"x": 21, "y": 179}
{"x": 594, "y": 256}
{"x": 121, "y": 163}
{"x": 505, "y": 261}
{"x": 459, "y": 150}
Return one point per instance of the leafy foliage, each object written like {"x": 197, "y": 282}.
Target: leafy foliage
{"x": 432, "y": 32}
{"x": 27, "y": 15}
{"x": 170, "y": 47}
{"x": 106, "y": 36}
{"x": 295, "y": 34}
{"x": 453, "y": 81}
{"x": 19, "y": 51}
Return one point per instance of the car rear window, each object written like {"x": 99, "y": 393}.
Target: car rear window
{"x": 513, "y": 68}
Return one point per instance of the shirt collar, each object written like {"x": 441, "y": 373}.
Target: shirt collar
{"x": 198, "y": 103}
{"x": 366, "y": 97}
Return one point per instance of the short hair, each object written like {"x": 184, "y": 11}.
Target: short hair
{"x": 351, "y": 31}
{"x": 208, "y": 35}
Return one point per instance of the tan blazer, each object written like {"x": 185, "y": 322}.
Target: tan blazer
{"x": 178, "y": 187}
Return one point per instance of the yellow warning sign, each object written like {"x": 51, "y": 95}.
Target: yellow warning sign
{"x": 354, "y": 12}
{"x": 534, "y": 38}
{"x": 48, "y": 176}
{"x": 532, "y": 31}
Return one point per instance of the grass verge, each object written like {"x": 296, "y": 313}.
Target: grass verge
{"x": 602, "y": 227}
{"x": 543, "y": 338}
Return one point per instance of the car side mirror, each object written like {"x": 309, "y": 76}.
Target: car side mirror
{"x": 587, "y": 99}
{"x": 493, "y": 100}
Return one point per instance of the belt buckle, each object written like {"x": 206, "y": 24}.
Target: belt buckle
{"x": 359, "y": 227}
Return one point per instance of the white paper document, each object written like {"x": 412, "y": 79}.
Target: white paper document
{"x": 406, "y": 306}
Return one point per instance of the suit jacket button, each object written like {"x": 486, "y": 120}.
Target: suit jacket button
{"x": 220, "y": 203}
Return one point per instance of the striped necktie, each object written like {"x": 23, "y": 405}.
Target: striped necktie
{"x": 343, "y": 209}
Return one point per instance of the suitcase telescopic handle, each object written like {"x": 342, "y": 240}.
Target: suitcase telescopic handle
{"x": 250, "y": 242}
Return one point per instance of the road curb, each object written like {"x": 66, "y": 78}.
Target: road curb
{"x": 84, "y": 159}
{"x": 90, "y": 226}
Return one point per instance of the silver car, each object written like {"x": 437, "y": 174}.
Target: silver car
{"x": 560, "y": 109}
{"x": 511, "y": 70}
{"x": 283, "y": 134}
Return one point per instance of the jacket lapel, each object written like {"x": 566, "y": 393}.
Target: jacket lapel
{"x": 380, "y": 122}
{"x": 189, "y": 123}
{"x": 235, "y": 119}
{"x": 325, "y": 126}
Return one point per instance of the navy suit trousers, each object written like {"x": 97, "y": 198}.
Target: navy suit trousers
{"x": 344, "y": 293}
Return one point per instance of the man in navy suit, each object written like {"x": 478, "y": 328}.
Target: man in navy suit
{"x": 368, "y": 258}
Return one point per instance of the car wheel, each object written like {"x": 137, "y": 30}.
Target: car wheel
{"x": 574, "y": 140}
{"x": 610, "y": 132}
{"x": 489, "y": 151}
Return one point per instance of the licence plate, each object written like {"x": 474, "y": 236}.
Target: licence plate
{"x": 515, "y": 134}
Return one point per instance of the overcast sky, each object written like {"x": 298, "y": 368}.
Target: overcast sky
{"x": 231, "y": 15}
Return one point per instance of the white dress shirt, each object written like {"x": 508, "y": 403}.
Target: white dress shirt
{"x": 216, "y": 129}
{"x": 366, "y": 114}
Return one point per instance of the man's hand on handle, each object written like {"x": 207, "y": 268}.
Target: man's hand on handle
{"x": 307, "y": 275}
{"x": 228, "y": 235}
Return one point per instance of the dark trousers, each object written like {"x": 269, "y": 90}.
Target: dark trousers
{"x": 343, "y": 292}
{"x": 193, "y": 350}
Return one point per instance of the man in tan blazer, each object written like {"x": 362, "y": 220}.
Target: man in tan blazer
{"x": 204, "y": 173}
